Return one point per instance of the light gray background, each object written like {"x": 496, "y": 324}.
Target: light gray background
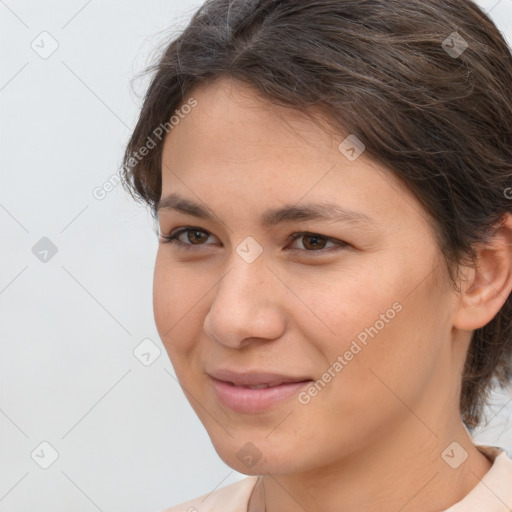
{"x": 126, "y": 437}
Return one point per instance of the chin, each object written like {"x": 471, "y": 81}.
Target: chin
{"x": 258, "y": 457}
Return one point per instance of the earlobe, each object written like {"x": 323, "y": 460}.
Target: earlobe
{"x": 486, "y": 288}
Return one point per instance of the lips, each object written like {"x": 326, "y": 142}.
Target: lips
{"x": 255, "y": 379}
{"x": 254, "y": 392}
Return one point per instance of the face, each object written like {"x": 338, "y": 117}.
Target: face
{"x": 352, "y": 307}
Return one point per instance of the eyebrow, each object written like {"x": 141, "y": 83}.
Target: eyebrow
{"x": 272, "y": 217}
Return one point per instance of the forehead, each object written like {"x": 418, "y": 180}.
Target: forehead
{"x": 235, "y": 141}
{"x": 233, "y": 116}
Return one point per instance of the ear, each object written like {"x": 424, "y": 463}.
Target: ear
{"x": 488, "y": 286}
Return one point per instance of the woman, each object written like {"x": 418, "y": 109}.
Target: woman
{"x": 331, "y": 182}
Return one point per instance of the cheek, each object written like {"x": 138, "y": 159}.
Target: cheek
{"x": 163, "y": 297}
{"x": 379, "y": 329}
{"x": 395, "y": 364}
{"x": 366, "y": 397}
{"x": 176, "y": 304}
{"x": 344, "y": 303}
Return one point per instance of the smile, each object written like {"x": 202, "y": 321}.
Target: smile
{"x": 252, "y": 399}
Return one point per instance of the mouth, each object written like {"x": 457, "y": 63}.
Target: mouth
{"x": 257, "y": 386}
{"x": 254, "y": 378}
{"x": 254, "y": 392}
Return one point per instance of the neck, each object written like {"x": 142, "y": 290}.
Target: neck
{"x": 404, "y": 471}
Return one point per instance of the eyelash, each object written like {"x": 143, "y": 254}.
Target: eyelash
{"x": 172, "y": 238}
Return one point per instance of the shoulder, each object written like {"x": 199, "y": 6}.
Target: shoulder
{"x": 494, "y": 492}
{"x": 230, "y": 498}
{"x": 501, "y": 462}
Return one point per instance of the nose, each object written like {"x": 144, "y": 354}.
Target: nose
{"x": 246, "y": 305}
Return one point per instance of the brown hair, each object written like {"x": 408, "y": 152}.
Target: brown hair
{"x": 385, "y": 71}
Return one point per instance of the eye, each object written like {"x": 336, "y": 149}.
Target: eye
{"x": 313, "y": 242}
{"x": 195, "y": 235}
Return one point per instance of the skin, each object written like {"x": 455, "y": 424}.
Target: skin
{"x": 387, "y": 417}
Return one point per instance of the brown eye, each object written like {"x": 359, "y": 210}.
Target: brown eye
{"x": 195, "y": 236}
{"x": 315, "y": 243}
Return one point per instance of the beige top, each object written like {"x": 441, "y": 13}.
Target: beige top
{"x": 492, "y": 494}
